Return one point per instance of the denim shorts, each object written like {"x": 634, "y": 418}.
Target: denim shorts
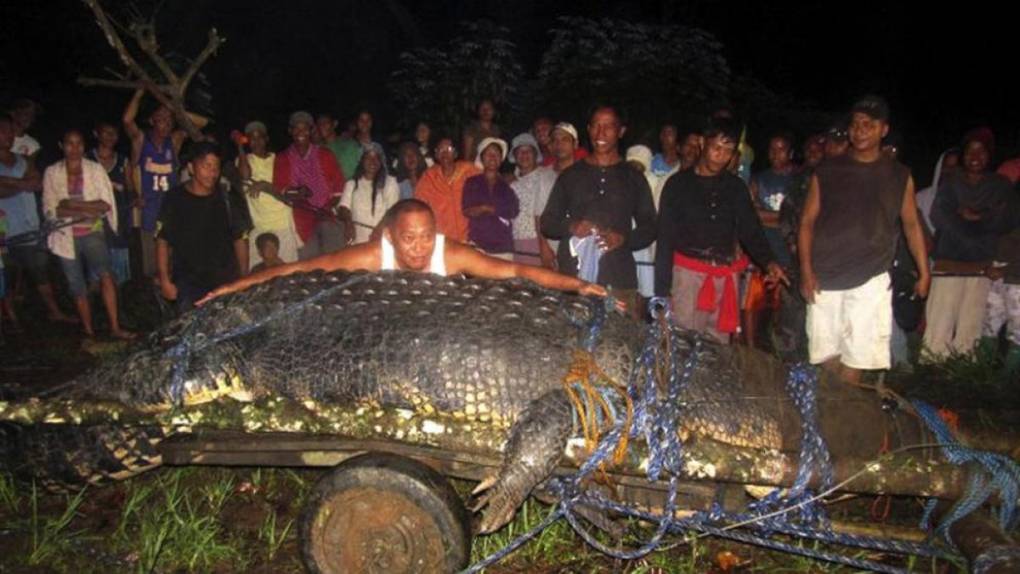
{"x": 91, "y": 251}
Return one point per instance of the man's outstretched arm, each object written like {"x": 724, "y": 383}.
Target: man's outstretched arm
{"x": 350, "y": 259}
{"x": 463, "y": 259}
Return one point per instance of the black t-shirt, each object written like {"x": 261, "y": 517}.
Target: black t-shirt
{"x": 615, "y": 197}
{"x": 201, "y": 231}
{"x": 858, "y": 222}
{"x": 704, "y": 218}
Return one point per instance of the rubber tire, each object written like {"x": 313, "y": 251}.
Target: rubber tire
{"x": 381, "y": 512}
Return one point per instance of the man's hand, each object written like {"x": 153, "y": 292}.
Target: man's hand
{"x": 775, "y": 274}
{"x": 808, "y": 285}
{"x": 217, "y": 292}
{"x": 169, "y": 290}
{"x": 593, "y": 289}
{"x": 479, "y": 210}
{"x": 581, "y": 228}
{"x": 609, "y": 240}
{"x": 922, "y": 285}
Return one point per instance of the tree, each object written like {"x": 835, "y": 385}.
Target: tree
{"x": 147, "y": 68}
{"x": 649, "y": 70}
{"x": 443, "y": 85}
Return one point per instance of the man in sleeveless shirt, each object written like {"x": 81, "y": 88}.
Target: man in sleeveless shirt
{"x": 155, "y": 154}
{"x": 846, "y": 245}
{"x": 409, "y": 242}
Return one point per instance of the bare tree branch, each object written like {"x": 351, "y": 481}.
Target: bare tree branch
{"x": 145, "y": 36}
{"x": 171, "y": 90}
{"x": 210, "y": 48}
{"x": 114, "y": 39}
{"x": 103, "y": 82}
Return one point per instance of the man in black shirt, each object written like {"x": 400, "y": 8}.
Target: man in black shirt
{"x": 703, "y": 214}
{"x": 601, "y": 196}
{"x": 201, "y": 233}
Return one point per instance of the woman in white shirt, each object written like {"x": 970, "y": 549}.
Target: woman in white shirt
{"x": 369, "y": 193}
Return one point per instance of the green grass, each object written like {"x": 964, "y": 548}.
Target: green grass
{"x": 51, "y": 535}
{"x": 273, "y": 536}
{"x": 172, "y": 523}
{"x": 10, "y": 500}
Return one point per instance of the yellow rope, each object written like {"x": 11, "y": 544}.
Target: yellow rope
{"x": 585, "y": 372}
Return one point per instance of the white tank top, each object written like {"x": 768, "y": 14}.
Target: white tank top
{"x": 437, "y": 264}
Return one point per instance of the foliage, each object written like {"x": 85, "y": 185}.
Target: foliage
{"x": 443, "y": 85}
{"x": 650, "y": 70}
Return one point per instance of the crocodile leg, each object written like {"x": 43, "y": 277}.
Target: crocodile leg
{"x": 532, "y": 452}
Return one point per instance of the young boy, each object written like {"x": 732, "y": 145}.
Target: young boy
{"x": 268, "y": 245}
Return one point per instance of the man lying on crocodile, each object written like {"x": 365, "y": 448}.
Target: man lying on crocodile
{"x": 409, "y": 242}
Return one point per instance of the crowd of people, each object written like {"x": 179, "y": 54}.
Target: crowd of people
{"x": 826, "y": 254}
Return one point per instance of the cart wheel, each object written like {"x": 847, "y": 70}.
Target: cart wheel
{"x": 384, "y": 513}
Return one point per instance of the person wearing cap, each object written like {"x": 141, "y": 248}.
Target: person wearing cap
{"x": 602, "y": 198}
{"x": 640, "y": 158}
{"x": 704, "y": 214}
{"x": 972, "y": 208}
{"x": 489, "y": 204}
{"x": 155, "y": 154}
{"x": 552, "y": 158}
{"x": 269, "y": 214}
{"x": 531, "y": 183}
{"x": 369, "y": 193}
{"x": 23, "y": 113}
{"x": 201, "y": 236}
{"x": 856, "y": 203}
{"x": 563, "y": 147}
{"x": 314, "y": 170}
{"x": 442, "y": 188}
{"x": 531, "y": 180}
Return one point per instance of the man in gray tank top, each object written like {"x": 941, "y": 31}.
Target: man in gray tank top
{"x": 846, "y": 245}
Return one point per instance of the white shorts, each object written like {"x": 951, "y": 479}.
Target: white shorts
{"x": 853, "y": 324}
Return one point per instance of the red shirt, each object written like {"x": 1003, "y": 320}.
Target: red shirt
{"x": 579, "y": 154}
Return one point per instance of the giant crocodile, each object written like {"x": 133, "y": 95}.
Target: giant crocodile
{"x": 468, "y": 364}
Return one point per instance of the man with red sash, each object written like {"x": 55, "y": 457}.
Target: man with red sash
{"x": 704, "y": 214}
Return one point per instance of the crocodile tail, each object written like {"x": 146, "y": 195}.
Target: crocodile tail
{"x": 62, "y": 457}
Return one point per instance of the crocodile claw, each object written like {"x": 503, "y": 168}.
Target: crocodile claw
{"x": 499, "y": 506}
{"x": 484, "y": 485}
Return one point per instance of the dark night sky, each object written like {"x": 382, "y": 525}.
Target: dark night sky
{"x": 943, "y": 71}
